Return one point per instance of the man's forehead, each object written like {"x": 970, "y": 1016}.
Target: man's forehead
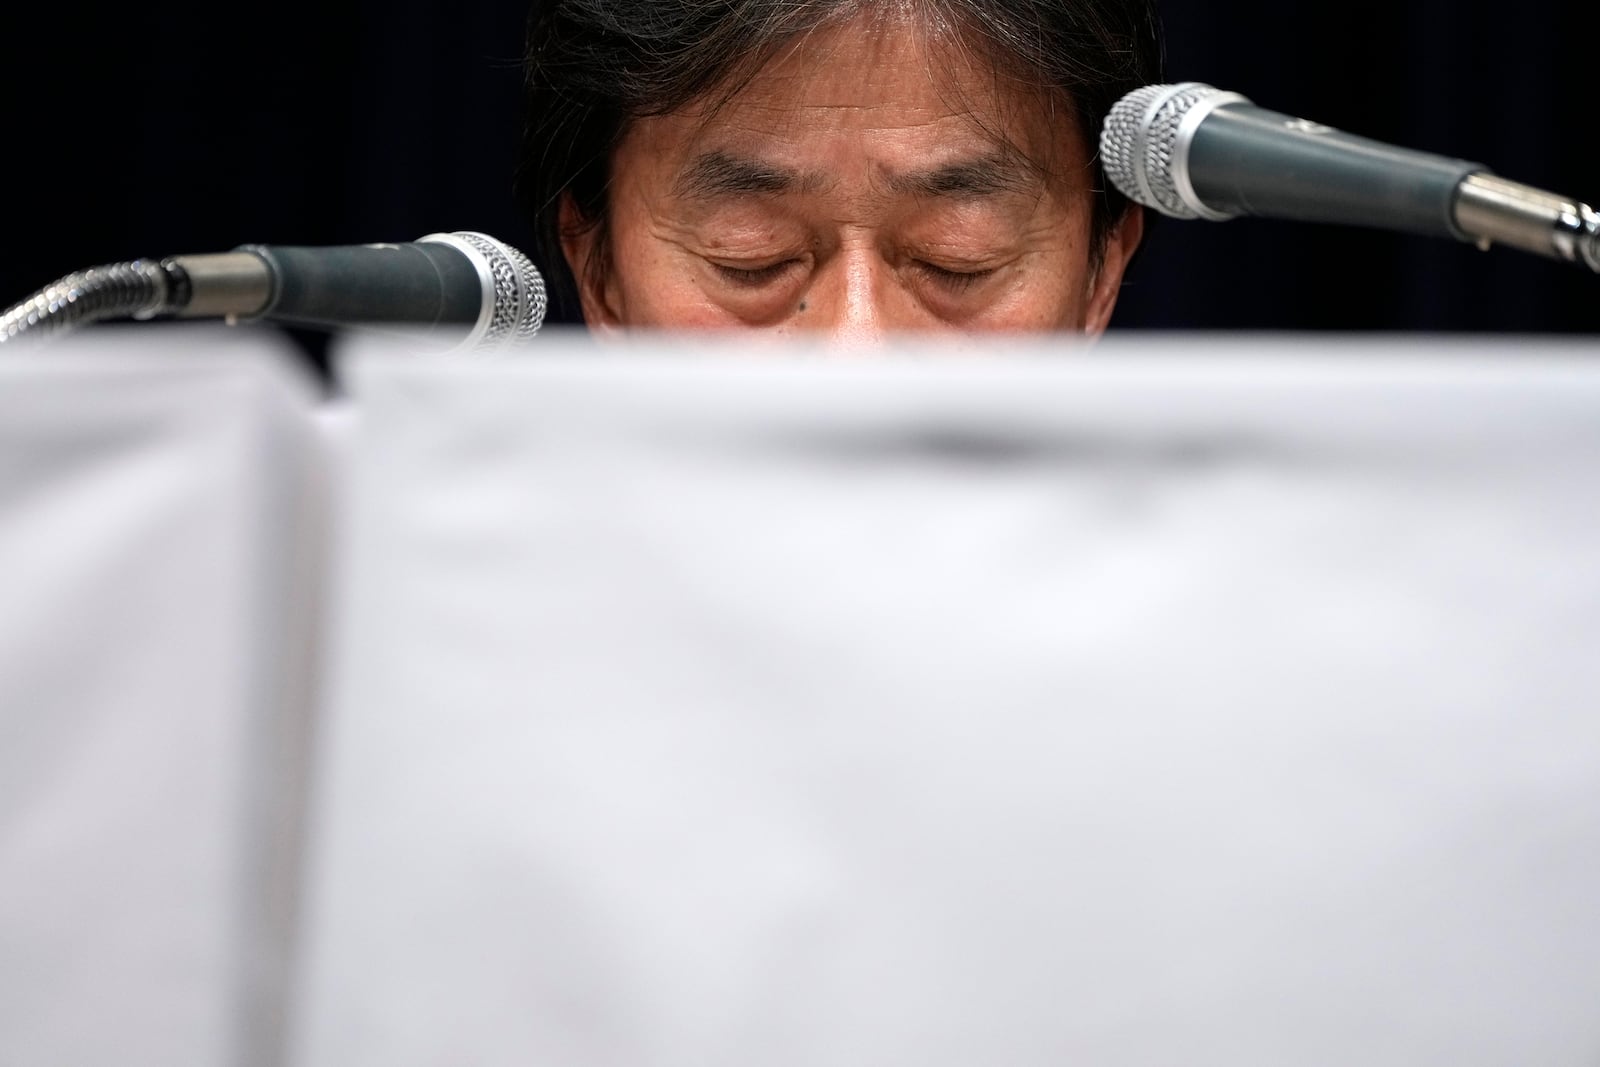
{"x": 886, "y": 79}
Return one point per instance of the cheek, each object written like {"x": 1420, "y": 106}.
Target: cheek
{"x": 1061, "y": 283}
{"x": 1051, "y": 292}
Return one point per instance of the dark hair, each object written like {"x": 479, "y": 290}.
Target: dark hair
{"x": 593, "y": 66}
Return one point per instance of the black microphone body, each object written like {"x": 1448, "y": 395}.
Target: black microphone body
{"x": 1192, "y": 151}
{"x": 423, "y": 284}
{"x": 1245, "y": 160}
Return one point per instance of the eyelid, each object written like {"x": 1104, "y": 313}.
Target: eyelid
{"x": 752, "y": 275}
{"x": 957, "y": 278}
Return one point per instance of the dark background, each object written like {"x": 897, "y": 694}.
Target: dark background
{"x": 159, "y": 130}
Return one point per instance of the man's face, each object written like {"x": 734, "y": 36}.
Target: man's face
{"x": 866, "y": 181}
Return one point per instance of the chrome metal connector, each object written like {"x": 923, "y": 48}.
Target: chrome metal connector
{"x": 1491, "y": 210}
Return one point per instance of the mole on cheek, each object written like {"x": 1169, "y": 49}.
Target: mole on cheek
{"x": 802, "y": 305}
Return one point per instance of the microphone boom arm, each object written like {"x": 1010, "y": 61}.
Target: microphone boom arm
{"x": 140, "y": 288}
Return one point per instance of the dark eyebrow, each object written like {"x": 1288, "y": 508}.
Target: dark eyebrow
{"x": 965, "y": 180}
{"x": 716, "y": 174}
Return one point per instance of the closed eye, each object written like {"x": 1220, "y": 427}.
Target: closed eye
{"x": 754, "y": 277}
{"x": 953, "y": 279}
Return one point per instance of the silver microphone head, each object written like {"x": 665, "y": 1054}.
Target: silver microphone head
{"x": 514, "y": 300}
{"x": 1144, "y": 146}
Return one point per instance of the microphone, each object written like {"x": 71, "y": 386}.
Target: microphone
{"x": 1190, "y": 150}
{"x": 481, "y": 293}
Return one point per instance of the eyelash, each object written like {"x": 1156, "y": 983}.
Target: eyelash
{"x": 757, "y": 276}
{"x": 957, "y": 281}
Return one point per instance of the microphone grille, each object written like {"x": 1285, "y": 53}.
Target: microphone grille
{"x": 1139, "y": 144}
{"x": 519, "y": 295}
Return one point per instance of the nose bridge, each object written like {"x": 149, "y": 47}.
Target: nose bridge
{"x": 858, "y": 315}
